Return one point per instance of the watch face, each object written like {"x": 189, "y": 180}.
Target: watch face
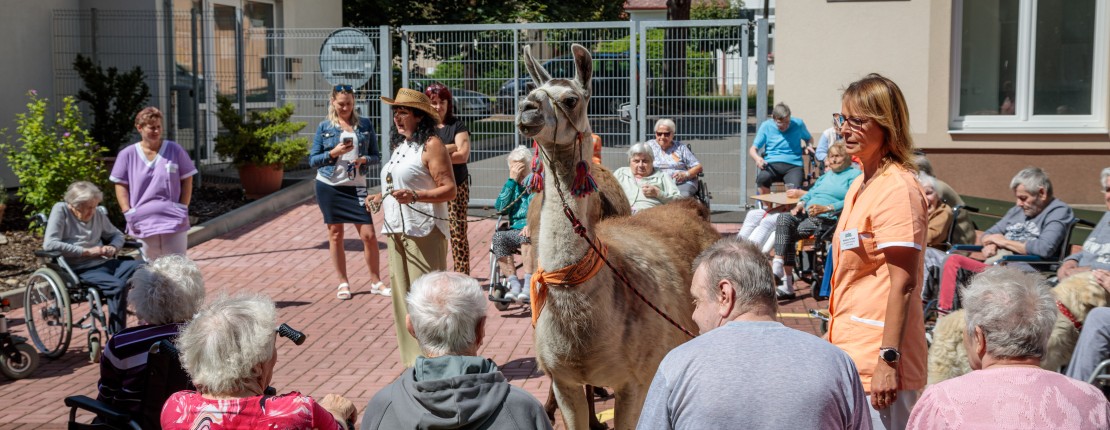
{"x": 890, "y": 355}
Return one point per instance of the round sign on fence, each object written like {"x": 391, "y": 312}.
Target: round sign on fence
{"x": 348, "y": 57}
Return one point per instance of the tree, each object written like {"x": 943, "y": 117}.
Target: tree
{"x": 114, "y": 98}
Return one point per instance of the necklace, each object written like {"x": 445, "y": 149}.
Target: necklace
{"x": 402, "y": 152}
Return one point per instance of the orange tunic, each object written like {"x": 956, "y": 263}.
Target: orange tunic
{"x": 891, "y": 211}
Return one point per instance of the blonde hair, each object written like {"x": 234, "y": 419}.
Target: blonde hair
{"x": 333, "y": 117}
{"x": 148, "y": 115}
{"x": 880, "y": 99}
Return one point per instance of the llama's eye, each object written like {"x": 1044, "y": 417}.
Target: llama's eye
{"x": 570, "y": 102}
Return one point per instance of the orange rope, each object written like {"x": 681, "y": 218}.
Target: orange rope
{"x": 586, "y": 268}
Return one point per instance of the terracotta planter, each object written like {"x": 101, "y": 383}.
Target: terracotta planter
{"x": 259, "y": 181}
{"x": 2, "y": 207}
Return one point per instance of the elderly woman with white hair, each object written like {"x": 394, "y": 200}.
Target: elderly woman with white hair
{"x": 1010, "y": 315}
{"x": 79, "y": 228}
{"x": 164, "y": 294}
{"x": 229, "y": 351}
{"x": 644, "y": 186}
{"x": 450, "y": 386}
{"x": 513, "y": 202}
{"x": 674, "y": 158}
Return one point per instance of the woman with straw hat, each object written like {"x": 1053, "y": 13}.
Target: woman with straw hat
{"x": 417, "y": 183}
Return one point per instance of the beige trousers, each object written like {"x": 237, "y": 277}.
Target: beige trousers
{"x": 419, "y": 255}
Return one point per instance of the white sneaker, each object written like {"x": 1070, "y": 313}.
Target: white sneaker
{"x": 785, "y": 292}
{"x": 387, "y": 291}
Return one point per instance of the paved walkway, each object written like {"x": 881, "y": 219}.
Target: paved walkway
{"x": 351, "y": 344}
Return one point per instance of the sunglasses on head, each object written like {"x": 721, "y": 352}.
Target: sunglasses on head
{"x": 343, "y": 89}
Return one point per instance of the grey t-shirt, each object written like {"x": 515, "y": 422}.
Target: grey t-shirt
{"x": 70, "y": 236}
{"x": 1096, "y": 250}
{"x": 1041, "y": 234}
{"x": 756, "y": 375}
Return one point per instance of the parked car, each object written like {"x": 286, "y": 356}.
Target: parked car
{"x": 609, "y": 87}
{"x": 471, "y": 105}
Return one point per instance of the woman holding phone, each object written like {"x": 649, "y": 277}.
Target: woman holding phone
{"x": 343, "y": 146}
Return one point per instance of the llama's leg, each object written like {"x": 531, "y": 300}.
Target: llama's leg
{"x": 628, "y": 402}
{"x": 572, "y": 404}
{"x": 594, "y": 423}
{"x": 551, "y": 404}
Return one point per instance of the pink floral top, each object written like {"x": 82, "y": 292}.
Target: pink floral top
{"x": 188, "y": 410}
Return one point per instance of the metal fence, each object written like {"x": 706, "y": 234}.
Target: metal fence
{"x": 693, "y": 72}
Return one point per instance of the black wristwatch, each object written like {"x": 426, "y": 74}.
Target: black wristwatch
{"x": 889, "y": 355}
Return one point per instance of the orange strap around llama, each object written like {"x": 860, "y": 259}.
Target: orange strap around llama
{"x": 586, "y": 268}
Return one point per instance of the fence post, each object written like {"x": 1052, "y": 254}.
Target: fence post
{"x": 196, "y": 97}
{"x": 385, "y": 68}
{"x": 240, "y": 80}
{"x": 761, "y": 74}
{"x": 171, "y": 71}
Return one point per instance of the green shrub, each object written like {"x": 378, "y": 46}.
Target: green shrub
{"x": 266, "y": 137}
{"x": 115, "y": 98}
{"x": 49, "y": 157}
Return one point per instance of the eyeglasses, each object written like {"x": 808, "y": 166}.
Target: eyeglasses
{"x": 664, "y": 133}
{"x": 343, "y": 89}
{"x": 854, "y": 122}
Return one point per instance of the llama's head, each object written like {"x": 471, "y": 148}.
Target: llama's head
{"x": 554, "y": 113}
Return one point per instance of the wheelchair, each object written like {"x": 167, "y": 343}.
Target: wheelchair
{"x": 50, "y": 293}
{"x": 498, "y": 283}
{"x": 814, "y": 260}
{"x": 165, "y": 376}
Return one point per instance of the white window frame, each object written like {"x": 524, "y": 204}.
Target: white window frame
{"x": 1024, "y": 121}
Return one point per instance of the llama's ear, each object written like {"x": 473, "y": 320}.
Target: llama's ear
{"x": 539, "y": 75}
{"x": 583, "y": 66}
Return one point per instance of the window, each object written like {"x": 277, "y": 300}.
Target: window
{"x": 1030, "y": 66}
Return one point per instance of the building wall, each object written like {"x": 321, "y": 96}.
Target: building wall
{"x": 25, "y": 30}
{"x": 817, "y": 55}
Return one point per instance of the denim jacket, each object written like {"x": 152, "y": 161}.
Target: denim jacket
{"x": 327, "y": 137}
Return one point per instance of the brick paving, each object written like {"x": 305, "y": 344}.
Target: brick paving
{"x": 351, "y": 345}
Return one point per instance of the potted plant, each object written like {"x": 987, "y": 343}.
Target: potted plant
{"x": 261, "y": 146}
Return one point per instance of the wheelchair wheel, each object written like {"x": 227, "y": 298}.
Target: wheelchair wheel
{"x": 28, "y": 362}
{"x": 47, "y": 313}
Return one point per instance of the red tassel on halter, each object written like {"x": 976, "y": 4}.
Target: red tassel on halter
{"x": 534, "y": 182}
{"x": 584, "y": 183}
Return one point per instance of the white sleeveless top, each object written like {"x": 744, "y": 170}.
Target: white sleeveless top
{"x": 406, "y": 171}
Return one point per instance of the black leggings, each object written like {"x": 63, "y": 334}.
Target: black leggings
{"x": 780, "y": 172}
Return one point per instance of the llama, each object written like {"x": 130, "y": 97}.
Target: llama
{"x": 595, "y": 331}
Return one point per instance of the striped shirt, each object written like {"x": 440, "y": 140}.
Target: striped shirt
{"x": 123, "y": 376}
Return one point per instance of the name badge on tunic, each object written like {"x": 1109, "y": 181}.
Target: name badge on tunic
{"x": 171, "y": 168}
{"x": 849, "y": 239}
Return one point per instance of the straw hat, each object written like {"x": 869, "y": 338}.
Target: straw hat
{"x": 413, "y": 99}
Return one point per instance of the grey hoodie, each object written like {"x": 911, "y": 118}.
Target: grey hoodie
{"x": 453, "y": 392}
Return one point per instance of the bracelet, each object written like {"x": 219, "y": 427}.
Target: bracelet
{"x": 415, "y": 197}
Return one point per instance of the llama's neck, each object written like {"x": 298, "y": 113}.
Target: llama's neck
{"x": 560, "y": 246}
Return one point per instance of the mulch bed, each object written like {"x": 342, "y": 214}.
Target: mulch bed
{"x": 17, "y": 258}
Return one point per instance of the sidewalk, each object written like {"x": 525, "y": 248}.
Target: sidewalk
{"x": 351, "y": 345}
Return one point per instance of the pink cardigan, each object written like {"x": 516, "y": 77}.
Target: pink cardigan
{"x": 1011, "y": 398}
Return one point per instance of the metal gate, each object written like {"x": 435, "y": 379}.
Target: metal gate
{"x": 694, "y": 72}
{"x": 481, "y": 66}
{"x": 689, "y": 71}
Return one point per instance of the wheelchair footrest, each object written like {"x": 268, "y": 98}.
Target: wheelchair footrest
{"x": 500, "y": 299}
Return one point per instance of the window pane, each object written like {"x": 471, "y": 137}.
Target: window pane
{"x": 988, "y": 57}
{"x": 1065, "y": 63}
{"x": 261, "y": 63}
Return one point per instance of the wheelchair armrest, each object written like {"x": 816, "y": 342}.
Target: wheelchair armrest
{"x": 966, "y": 208}
{"x": 965, "y": 247}
{"x": 1084, "y": 223}
{"x": 47, "y": 254}
{"x": 132, "y": 244}
{"x": 1024, "y": 259}
{"x": 109, "y": 414}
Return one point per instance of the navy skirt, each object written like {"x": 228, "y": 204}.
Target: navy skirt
{"x": 342, "y": 204}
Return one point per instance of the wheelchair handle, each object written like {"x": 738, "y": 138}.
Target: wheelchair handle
{"x": 291, "y": 333}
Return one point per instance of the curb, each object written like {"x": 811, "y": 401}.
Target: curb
{"x": 267, "y": 206}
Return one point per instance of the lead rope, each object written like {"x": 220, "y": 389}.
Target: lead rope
{"x": 581, "y": 231}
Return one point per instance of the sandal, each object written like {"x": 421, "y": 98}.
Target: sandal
{"x": 344, "y": 292}
{"x": 376, "y": 287}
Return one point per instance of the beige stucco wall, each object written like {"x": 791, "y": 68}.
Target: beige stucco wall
{"x": 821, "y": 47}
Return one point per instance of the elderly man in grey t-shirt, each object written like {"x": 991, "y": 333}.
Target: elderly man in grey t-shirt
{"x": 747, "y": 370}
